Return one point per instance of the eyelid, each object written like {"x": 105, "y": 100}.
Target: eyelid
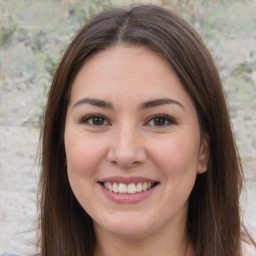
{"x": 170, "y": 119}
{"x": 84, "y": 119}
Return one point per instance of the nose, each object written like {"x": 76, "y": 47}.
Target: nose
{"x": 127, "y": 148}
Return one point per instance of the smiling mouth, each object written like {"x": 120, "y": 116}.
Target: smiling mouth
{"x": 132, "y": 188}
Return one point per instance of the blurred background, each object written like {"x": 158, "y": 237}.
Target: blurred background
{"x": 34, "y": 35}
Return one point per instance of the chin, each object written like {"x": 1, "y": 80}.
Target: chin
{"x": 126, "y": 226}
{"x": 128, "y": 232}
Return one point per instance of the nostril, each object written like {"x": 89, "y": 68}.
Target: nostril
{"x": 126, "y": 164}
{"x": 125, "y": 156}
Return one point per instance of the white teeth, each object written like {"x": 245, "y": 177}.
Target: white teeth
{"x": 139, "y": 187}
{"x": 122, "y": 188}
{"x": 131, "y": 188}
{"x": 106, "y": 185}
{"x": 145, "y": 186}
{"x": 115, "y": 188}
{"x": 110, "y": 186}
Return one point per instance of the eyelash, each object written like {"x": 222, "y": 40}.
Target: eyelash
{"x": 88, "y": 118}
{"x": 164, "y": 117}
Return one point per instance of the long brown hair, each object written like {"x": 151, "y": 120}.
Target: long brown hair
{"x": 214, "y": 221}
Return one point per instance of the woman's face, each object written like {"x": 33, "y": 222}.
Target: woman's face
{"x": 132, "y": 141}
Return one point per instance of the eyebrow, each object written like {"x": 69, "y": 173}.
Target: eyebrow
{"x": 94, "y": 102}
{"x": 159, "y": 102}
{"x": 145, "y": 105}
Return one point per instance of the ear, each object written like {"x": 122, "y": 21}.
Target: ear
{"x": 203, "y": 156}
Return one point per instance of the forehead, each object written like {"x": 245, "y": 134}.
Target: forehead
{"x": 125, "y": 71}
{"x": 126, "y": 58}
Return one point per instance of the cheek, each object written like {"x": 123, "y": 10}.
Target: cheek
{"x": 83, "y": 159}
{"x": 177, "y": 155}
{"x": 83, "y": 154}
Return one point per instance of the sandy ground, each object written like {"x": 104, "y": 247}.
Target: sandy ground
{"x": 18, "y": 186}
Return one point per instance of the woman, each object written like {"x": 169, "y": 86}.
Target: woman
{"x": 138, "y": 155}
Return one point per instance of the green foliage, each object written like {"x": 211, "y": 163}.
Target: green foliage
{"x": 229, "y": 30}
{"x": 33, "y": 35}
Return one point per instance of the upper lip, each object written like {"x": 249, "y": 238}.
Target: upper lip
{"x": 126, "y": 180}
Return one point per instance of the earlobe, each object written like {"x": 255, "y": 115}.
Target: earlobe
{"x": 203, "y": 157}
{"x": 202, "y": 168}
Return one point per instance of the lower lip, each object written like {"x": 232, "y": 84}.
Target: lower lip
{"x": 127, "y": 198}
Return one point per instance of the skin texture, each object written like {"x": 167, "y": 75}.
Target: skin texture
{"x": 127, "y": 140}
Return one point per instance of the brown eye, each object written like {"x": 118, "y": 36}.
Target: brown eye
{"x": 97, "y": 121}
{"x": 161, "y": 120}
{"x": 94, "y": 120}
